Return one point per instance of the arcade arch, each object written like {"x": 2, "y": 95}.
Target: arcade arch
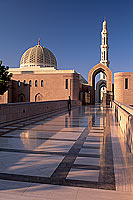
{"x": 100, "y": 84}
{"x": 91, "y": 80}
{"x": 38, "y": 97}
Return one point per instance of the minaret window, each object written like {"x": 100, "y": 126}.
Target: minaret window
{"x": 30, "y": 82}
{"x": 126, "y": 83}
{"x": 41, "y": 83}
{"x": 35, "y": 83}
{"x": 19, "y": 83}
{"x": 104, "y": 40}
{"x": 104, "y": 55}
{"x": 66, "y": 83}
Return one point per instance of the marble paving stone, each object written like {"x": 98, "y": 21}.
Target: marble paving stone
{"x": 66, "y": 135}
{"x": 18, "y": 125}
{"x": 90, "y": 144}
{"x": 29, "y": 164}
{"x": 4, "y": 130}
{"x": 41, "y": 123}
{"x": 97, "y": 128}
{"x": 10, "y": 127}
{"x": 96, "y": 131}
{"x": 13, "y": 187}
{"x": 19, "y": 143}
{"x": 96, "y": 134}
{"x": 97, "y": 139}
{"x": 90, "y": 151}
{"x": 55, "y": 146}
{"x": 94, "y": 194}
{"x": 4, "y": 196}
{"x": 24, "y": 123}
{"x": 40, "y": 128}
{"x": 85, "y": 175}
{"x": 87, "y": 161}
{"x": 74, "y": 129}
{"x": 31, "y": 133}
{"x": 55, "y": 192}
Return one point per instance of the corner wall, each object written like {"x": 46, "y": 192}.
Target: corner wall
{"x": 120, "y": 93}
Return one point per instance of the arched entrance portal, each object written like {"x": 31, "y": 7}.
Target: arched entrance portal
{"x": 21, "y": 97}
{"x": 91, "y": 81}
{"x": 100, "y": 84}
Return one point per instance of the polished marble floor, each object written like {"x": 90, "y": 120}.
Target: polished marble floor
{"x": 76, "y": 148}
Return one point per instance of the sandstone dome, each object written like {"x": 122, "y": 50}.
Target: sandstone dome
{"x": 38, "y": 56}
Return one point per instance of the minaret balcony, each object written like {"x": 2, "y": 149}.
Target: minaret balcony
{"x": 104, "y": 46}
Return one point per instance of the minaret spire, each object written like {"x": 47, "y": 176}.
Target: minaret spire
{"x": 104, "y": 45}
{"x": 39, "y": 41}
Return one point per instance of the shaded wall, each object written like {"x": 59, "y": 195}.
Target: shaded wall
{"x": 15, "y": 111}
{"x": 16, "y": 93}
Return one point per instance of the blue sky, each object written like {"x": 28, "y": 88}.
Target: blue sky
{"x": 70, "y": 29}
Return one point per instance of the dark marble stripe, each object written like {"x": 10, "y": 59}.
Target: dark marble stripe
{"x": 88, "y": 155}
{"x": 90, "y": 147}
{"x": 70, "y": 154}
{"x": 92, "y": 140}
{"x": 64, "y": 167}
{"x": 48, "y": 180}
{"x": 32, "y": 152}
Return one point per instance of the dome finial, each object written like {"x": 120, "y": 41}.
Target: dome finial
{"x": 39, "y": 41}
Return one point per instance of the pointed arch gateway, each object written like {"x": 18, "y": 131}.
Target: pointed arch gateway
{"x": 91, "y": 79}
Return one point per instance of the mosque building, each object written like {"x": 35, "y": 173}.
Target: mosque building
{"x": 39, "y": 79}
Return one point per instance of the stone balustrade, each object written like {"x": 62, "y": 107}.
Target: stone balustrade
{"x": 17, "y": 111}
{"x": 124, "y": 116}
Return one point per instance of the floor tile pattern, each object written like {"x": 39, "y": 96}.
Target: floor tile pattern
{"x": 71, "y": 149}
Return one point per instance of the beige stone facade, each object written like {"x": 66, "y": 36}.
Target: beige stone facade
{"x": 123, "y": 87}
{"x": 45, "y": 86}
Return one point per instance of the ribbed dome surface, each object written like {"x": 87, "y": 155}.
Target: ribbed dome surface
{"x": 38, "y": 56}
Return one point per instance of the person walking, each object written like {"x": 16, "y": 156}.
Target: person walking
{"x": 69, "y": 103}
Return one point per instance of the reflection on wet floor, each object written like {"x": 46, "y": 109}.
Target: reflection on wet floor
{"x": 68, "y": 149}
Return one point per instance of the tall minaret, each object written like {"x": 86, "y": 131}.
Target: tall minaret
{"x": 104, "y": 45}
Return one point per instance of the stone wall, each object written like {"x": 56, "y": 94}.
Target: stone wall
{"x": 121, "y": 93}
{"x": 15, "y": 111}
{"x": 124, "y": 116}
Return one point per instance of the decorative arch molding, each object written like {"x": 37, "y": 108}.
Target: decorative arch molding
{"x": 38, "y": 97}
{"x": 100, "y": 84}
{"x": 97, "y": 69}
